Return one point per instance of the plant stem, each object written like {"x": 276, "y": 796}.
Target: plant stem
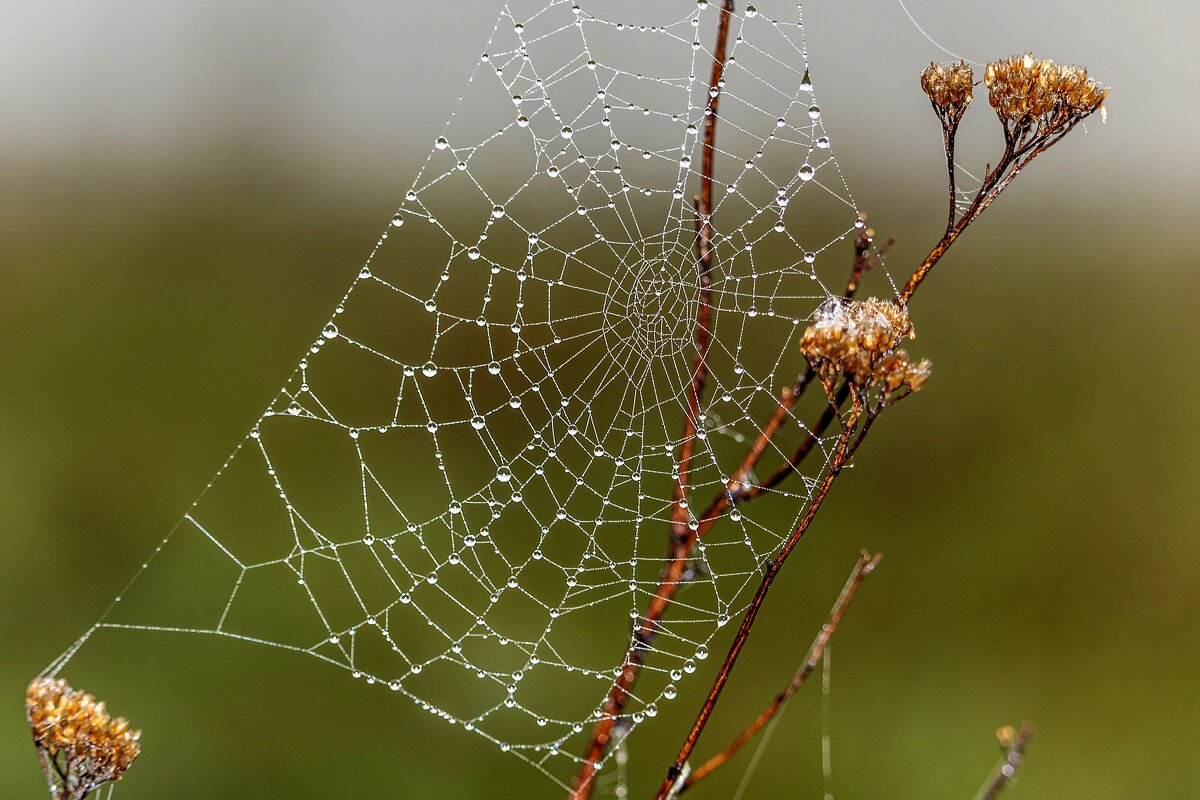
{"x": 770, "y": 572}
{"x": 862, "y": 568}
{"x": 680, "y": 546}
{"x": 1006, "y": 770}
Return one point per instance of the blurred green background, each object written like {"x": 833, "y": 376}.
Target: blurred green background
{"x": 179, "y": 211}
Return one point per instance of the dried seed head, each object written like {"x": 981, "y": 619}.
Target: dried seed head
{"x": 75, "y": 731}
{"x": 852, "y": 338}
{"x": 897, "y": 371}
{"x": 1028, "y": 91}
{"x": 949, "y": 89}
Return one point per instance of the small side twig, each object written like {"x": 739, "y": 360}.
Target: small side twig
{"x": 770, "y": 572}
{"x": 1013, "y": 743}
{"x": 862, "y": 568}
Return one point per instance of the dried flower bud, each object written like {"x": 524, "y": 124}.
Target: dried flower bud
{"x": 949, "y": 88}
{"x": 852, "y": 337}
{"x": 1028, "y": 91}
{"x": 75, "y": 732}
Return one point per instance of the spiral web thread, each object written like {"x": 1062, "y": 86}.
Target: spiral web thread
{"x": 463, "y": 492}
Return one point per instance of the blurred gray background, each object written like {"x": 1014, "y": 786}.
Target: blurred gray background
{"x": 357, "y": 88}
{"x": 186, "y": 188}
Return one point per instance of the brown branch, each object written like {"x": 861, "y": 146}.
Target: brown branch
{"x": 949, "y": 130}
{"x": 770, "y": 571}
{"x": 863, "y": 567}
{"x": 736, "y": 490}
{"x": 703, "y": 335}
{"x": 1017, "y": 155}
{"x": 1013, "y": 743}
{"x": 681, "y": 542}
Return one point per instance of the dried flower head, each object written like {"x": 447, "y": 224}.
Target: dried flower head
{"x": 852, "y": 338}
{"x": 76, "y": 737}
{"x": 1026, "y": 91}
{"x": 949, "y": 88}
{"x": 897, "y": 371}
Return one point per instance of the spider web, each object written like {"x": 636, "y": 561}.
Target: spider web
{"x": 463, "y": 492}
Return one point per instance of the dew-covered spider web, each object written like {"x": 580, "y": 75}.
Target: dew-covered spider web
{"x": 463, "y": 493}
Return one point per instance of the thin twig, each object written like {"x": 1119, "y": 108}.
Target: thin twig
{"x": 47, "y": 771}
{"x": 770, "y": 572}
{"x": 703, "y": 334}
{"x": 948, "y": 133}
{"x": 737, "y": 490}
{"x": 1014, "y": 744}
{"x": 1016, "y": 157}
{"x": 681, "y": 542}
{"x": 862, "y": 568}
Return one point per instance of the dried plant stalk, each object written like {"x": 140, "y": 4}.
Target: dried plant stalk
{"x": 852, "y": 350}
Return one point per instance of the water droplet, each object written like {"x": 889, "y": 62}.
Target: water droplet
{"x": 751, "y": 11}
{"x": 441, "y": 143}
{"x": 330, "y": 331}
{"x": 823, "y": 143}
{"x": 493, "y": 367}
{"x": 503, "y": 475}
{"x": 430, "y": 306}
{"x": 473, "y": 253}
{"x": 478, "y": 423}
{"x": 522, "y": 121}
{"x": 429, "y": 370}
{"x": 497, "y": 212}
{"x": 806, "y": 172}
{"x": 806, "y": 82}
{"x": 814, "y": 112}
{"x": 397, "y": 221}
{"x": 810, "y": 258}
{"x": 566, "y": 132}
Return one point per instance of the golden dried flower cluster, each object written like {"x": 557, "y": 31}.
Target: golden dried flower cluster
{"x": 949, "y": 88}
{"x": 857, "y": 339}
{"x": 95, "y": 747}
{"x": 897, "y": 370}
{"x": 1025, "y": 91}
